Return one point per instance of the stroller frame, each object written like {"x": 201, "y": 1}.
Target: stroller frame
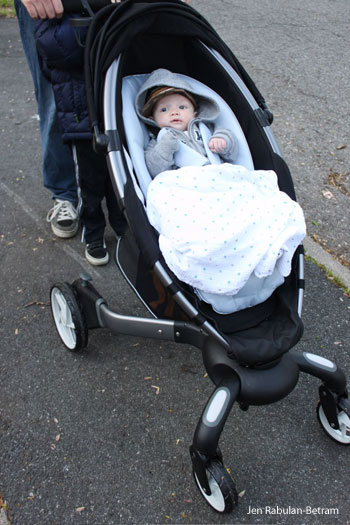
{"x": 78, "y": 308}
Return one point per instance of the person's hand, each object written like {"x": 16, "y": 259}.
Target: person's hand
{"x": 217, "y": 145}
{"x": 43, "y": 8}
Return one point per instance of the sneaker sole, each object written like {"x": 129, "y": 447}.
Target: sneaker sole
{"x": 64, "y": 234}
{"x": 96, "y": 262}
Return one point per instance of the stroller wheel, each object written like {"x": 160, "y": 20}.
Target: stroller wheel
{"x": 224, "y": 496}
{"x": 342, "y": 434}
{"x": 68, "y": 317}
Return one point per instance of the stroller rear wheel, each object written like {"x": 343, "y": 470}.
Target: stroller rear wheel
{"x": 342, "y": 434}
{"x": 68, "y": 317}
{"x": 224, "y": 496}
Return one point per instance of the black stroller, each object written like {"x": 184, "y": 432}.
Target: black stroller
{"x": 247, "y": 354}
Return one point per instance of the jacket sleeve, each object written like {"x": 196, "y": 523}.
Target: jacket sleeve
{"x": 230, "y": 153}
{"x": 160, "y": 155}
{"x": 58, "y": 44}
{"x": 62, "y": 61}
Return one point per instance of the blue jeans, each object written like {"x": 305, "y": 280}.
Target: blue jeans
{"x": 58, "y": 168}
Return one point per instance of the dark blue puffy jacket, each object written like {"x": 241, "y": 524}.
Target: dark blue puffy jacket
{"x": 62, "y": 60}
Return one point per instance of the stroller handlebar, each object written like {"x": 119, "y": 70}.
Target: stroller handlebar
{"x": 81, "y": 6}
{"x": 89, "y": 6}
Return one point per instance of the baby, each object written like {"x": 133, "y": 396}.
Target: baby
{"x": 177, "y": 116}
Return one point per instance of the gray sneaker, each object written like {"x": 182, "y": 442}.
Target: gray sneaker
{"x": 64, "y": 219}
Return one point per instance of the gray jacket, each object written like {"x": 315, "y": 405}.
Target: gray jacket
{"x": 159, "y": 154}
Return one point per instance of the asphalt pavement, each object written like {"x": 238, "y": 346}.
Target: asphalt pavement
{"x": 87, "y": 439}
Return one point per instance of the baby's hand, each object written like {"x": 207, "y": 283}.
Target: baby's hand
{"x": 170, "y": 141}
{"x": 217, "y": 145}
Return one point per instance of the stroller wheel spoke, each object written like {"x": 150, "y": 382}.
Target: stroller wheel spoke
{"x": 344, "y": 426}
{"x": 65, "y": 317}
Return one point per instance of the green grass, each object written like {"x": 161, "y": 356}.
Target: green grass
{"x": 6, "y": 8}
{"x": 338, "y": 282}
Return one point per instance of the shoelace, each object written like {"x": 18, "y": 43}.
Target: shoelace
{"x": 64, "y": 210}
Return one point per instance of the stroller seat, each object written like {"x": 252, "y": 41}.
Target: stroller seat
{"x": 255, "y": 290}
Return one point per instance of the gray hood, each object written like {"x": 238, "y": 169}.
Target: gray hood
{"x": 207, "y": 108}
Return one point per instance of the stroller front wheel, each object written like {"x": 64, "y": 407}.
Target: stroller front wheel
{"x": 224, "y": 496}
{"x": 68, "y": 317}
{"x": 342, "y": 434}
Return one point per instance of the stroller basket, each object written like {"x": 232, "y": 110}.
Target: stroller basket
{"x": 248, "y": 354}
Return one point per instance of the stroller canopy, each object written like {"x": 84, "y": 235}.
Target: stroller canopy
{"x": 154, "y": 34}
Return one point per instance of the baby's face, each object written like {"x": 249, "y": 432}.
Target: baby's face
{"x": 174, "y": 111}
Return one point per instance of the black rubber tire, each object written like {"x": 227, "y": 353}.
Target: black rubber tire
{"x": 226, "y": 485}
{"x": 79, "y": 332}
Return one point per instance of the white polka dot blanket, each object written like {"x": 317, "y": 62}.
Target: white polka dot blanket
{"x": 219, "y": 224}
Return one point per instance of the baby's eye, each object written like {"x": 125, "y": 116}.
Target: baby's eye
{"x": 163, "y": 110}
{"x": 182, "y": 107}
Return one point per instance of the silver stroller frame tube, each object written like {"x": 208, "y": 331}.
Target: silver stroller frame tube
{"x": 99, "y": 315}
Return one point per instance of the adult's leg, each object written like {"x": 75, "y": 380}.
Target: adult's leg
{"x": 115, "y": 216}
{"x": 91, "y": 172}
{"x": 58, "y": 169}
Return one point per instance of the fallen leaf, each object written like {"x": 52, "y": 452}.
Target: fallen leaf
{"x": 36, "y": 303}
{"x": 58, "y": 437}
{"x": 241, "y": 494}
{"x": 188, "y": 370}
{"x": 79, "y": 509}
{"x": 338, "y": 179}
{"x": 327, "y": 194}
{"x": 157, "y": 389}
{"x": 342, "y": 146}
